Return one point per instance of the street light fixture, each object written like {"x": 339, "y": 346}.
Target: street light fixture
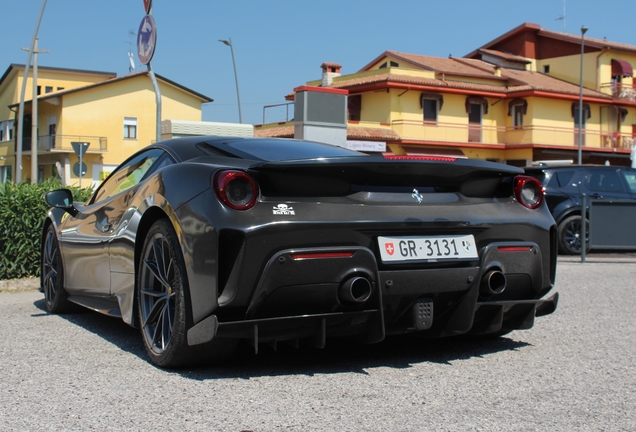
{"x": 238, "y": 94}
{"x": 583, "y": 30}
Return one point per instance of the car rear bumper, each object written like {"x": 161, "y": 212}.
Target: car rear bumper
{"x": 306, "y": 294}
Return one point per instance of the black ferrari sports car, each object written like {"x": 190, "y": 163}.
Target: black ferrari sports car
{"x": 202, "y": 242}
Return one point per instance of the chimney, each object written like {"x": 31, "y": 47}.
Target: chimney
{"x": 329, "y": 72}
{"x": 497, "y": 71}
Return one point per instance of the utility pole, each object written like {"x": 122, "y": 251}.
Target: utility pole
{"x": 20, "y": 114}
{"x": 34, "y": 113}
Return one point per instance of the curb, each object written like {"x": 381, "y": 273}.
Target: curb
{"x": 19, "y": 285}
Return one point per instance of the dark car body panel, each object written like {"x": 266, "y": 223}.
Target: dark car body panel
{"x": 564, "y": 185}
{"x": 276, "y": 271}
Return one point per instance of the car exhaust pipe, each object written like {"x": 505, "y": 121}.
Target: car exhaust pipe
{"x": 493, "y": 282}
{"x": 355, "y": 290}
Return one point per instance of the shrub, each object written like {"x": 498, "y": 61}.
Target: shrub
{"x": 22, "y": 212}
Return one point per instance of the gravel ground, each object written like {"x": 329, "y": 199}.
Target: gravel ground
{"x": 573, "y": 371}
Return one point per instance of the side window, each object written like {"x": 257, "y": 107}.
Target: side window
{"x": 130, "y": 174}
{"x": 603, "y": 181}
{"x": 630, "y": 179}
{"x": 562, "y": 178}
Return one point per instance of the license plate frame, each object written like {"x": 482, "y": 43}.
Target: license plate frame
{"x": 434, "y": 248}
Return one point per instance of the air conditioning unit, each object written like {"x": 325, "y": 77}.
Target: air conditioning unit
{"x": 183, "y": 128}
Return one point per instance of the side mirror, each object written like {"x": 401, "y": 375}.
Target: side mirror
{"x": 61, "y": 198}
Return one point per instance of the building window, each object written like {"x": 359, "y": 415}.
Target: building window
{"x": 39, "y": 90}
{"x": 354, "y": 107}
{"x": 431, "y": 104}
{"x": 130, "y": 127}
{"x": 382, "y": 66}
{"x": 48, "y": 89}
{"x": 517, "y": 116}
{"x": 394, "y": 64}
{"x": 546, "y": 68}
{"x": 517, "y": 108}
{"x": 5, "y": 173}
{"x": 60, "y": 88}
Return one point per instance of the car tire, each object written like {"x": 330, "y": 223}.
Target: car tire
{"x": 164, "y": 315}
{"x": 569, "y": 233}
{"x": 52, "y": 275}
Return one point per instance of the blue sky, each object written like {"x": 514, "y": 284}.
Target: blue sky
{"x": 280, "y": 44}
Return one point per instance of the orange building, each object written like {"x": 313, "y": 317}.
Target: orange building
{"x": 513, "y": 100}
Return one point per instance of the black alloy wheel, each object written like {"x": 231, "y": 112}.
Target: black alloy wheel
{"x": 52, "y": 275}
{"x": 569, "y": 233}
{"x": 163, "y": 312}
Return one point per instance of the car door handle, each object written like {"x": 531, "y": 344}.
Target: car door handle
{"x": 596, "y": 196}
{"x": 106, "y": 227}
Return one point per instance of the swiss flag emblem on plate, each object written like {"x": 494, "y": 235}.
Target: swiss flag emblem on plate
{"x": 389, "y": 248}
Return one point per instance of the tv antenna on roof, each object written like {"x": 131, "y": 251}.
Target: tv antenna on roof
{"x": 131, "y": 62}
{"x": 562, "y": 17}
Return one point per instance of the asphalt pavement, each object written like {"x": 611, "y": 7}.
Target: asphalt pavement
{"x": 574, "y": 370}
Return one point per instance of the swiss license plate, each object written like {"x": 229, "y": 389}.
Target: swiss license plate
{"x": 427, "y": 248}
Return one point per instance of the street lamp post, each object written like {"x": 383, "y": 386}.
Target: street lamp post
{"x": 583, "y": 30}
{"x": 238, "y": 94}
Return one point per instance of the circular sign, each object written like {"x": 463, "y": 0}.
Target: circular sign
{"x": 146, "y": 39}
{"x": 76, "y": 169}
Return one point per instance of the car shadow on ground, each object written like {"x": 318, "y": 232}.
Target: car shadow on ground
{"x": 339, "y": 355}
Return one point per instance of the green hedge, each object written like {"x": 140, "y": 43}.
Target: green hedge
{"x": 22, "y": 212}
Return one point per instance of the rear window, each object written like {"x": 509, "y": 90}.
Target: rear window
{"x": 275, "y": 150}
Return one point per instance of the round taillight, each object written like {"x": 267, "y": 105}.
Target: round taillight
{"x": 528, "y": 191}
{"x": 236, "y": 189}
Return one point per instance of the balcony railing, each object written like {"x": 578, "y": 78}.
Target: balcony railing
{"x": 64, "y": 143}
{"x": 502, "y": 135}
{"x": 620, "y": 91}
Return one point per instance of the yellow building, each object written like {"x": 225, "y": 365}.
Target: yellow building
{"x": 513, "y": 100}
{"x": 116, "y": 116}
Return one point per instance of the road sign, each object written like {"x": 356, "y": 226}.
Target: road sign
{"x": 146, "y": 39}
{"x": 80, "y": 148}
{"x": 147, "y": 5}
{"x": 76, "y": 169}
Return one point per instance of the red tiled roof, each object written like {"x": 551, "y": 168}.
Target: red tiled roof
{"x": 353, "y": 132}
{"x": 576, "y": 39}
{"x": 519, "y": 80}
{"x": 450, "y": 66}
{"x": 274, "y": 132}
{"x": 505, "y": 56}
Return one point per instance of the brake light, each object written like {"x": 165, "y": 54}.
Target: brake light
{"x": 420, "y": 157}
{"x": 528, "y": 191}
{"x": 236, "y": 189}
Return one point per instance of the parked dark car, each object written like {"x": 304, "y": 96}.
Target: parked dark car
{"x": 204, "y": 241}
{"x": 564, "y": 186}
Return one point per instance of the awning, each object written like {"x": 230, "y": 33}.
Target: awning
{"x": 436, "y": 96}
{"x": 476, "y": 100}
{"x": 587, "y": 112}
{"x": 518, "y": 102}
{"x": 621, "y": 68}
